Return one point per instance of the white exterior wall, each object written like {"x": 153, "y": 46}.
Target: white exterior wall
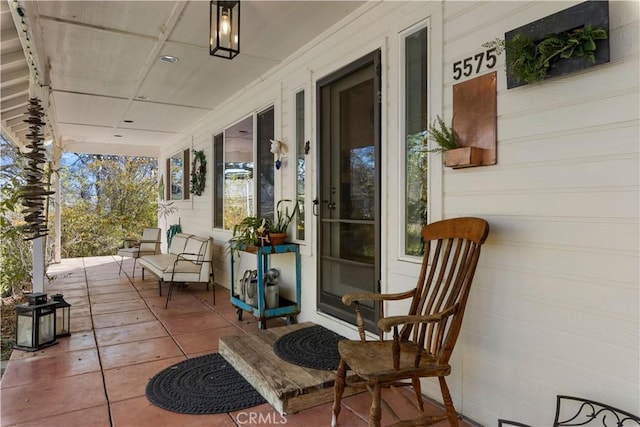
{"x": 556, "y": 299}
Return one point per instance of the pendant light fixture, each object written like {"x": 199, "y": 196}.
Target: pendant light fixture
{"x": 224, "y": 29}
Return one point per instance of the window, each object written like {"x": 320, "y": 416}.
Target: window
{"x": 177, "y": 170}
{"x": 218, "y": 180}
{"x": 265, "y": 170}
{"x": 415, "y": 130}
{"x": 301, "y": 166}
{"x": 244, "y": 182}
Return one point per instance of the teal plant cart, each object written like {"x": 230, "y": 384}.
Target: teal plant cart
{"x": 286, "y": 308}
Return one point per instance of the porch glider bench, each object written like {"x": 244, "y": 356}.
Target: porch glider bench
{"x": 577, "y": 411}
{"x": 188, "y": 261}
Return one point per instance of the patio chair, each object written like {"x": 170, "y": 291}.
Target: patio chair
{"x": 148, "y": 245}
{"x": 423, "y": 345}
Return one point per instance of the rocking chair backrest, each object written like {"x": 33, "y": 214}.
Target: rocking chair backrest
{"x": 452, "y": 249}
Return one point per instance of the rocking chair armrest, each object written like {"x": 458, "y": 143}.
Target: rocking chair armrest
{"x": 148, "y": 241}
{"x": 349, "y": 299}
{"x": 386, "y": 323}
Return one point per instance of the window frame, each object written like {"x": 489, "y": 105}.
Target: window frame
{"x": 186, "y": 175}
{"x": 434, "y": 104}
{"x": 219, "y": 224}
{"x": 300, "y": 155}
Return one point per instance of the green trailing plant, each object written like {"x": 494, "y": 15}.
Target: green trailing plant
{"x": 442, "y": 135}
{"x": 529, "y": 60}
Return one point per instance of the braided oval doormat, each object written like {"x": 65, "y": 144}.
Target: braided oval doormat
{"x": 314, "y": 347}
{"x": 203, "y": 385}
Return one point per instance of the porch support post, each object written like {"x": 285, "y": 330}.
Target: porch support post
{"x": 57, "y": 213}
{"x": 38, "y": 264}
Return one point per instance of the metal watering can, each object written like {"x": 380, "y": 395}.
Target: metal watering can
{"x": 271, "y": 291}
{"x": 249, "y": 287}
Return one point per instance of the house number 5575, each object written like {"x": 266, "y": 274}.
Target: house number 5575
{"x": 474, "y": 63}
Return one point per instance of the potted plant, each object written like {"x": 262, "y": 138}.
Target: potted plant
{"x": 442, "y": 135}
{"x": 531, "y": 60}
{"x": 283, "y": 217}
{"x": 251, "y": 231}
{"x": 454, "y": 155}
{"x": 257, "y": 231}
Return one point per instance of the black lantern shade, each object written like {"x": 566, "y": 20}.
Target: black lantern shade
{"x": 35, "y": 323}
{"x": 63, "y": 316}
{"x": 224, "y": 29}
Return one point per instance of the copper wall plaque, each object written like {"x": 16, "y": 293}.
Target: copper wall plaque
{"x": 475, "y": 121}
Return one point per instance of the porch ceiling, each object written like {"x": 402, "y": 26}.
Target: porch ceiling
{"x": 101, "y": 63}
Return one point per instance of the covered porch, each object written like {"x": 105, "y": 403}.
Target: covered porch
{"x": 121, "y": 336}
{"x": 555, "y": 305}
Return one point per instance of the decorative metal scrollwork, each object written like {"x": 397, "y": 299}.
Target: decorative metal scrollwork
{"x": 590, "y": 412}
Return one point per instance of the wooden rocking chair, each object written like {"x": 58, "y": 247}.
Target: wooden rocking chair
{"x": 423, "y": 345}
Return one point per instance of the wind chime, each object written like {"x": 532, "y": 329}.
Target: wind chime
{"x": 36, "y": 321}
{"x": 34, "y": 193}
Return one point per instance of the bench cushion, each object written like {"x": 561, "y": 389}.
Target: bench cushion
{"x": 178, "y": 243}
{"x": 157, "y": 263}
{"x": 194, "y": 264}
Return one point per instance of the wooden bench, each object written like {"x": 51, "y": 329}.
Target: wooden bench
{"x": 576, "y": 411}
{"x": 188, "y": 261}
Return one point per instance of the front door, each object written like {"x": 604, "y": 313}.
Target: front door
{"x": 348, "y": 206}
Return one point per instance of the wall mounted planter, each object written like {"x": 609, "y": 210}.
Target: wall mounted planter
{"x": 475, "y": 123}
{"x": 591, "y": 13}
{"x": 463, "y": 157}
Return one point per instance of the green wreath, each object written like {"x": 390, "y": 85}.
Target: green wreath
{"x": 198, "y": 173}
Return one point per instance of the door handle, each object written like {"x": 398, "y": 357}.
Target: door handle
{"x": 316, "y": 203}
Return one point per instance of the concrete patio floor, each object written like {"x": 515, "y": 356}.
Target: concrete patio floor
{"x": 121, "y": 337}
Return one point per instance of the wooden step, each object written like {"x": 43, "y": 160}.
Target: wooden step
{"x": 288, "y": 388}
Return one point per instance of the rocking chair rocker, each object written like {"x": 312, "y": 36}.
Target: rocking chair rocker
{"x": 423, "y": 345}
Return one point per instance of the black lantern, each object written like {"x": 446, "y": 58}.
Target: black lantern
{"x": 35, "y": 323}
{"x": 224, "y": 29}
{"x": 63, "y": 316}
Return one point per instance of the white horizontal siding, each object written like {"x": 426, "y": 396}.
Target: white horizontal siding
{"x": 555, "y": 307}
{"x": 556, "y": 302}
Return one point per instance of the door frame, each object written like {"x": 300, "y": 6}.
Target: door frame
{"x": 373, "y": 58}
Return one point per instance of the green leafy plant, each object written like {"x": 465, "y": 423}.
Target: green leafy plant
{"x": 15, "y": 251}
{"x": 529, "y": 60}
{"x": 255, "y": 230}
{"x": 283, "y": 217}
{"x": 248, "y": 232}
{"x": 442, "y": 135}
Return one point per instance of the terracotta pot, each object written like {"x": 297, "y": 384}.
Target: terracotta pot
{"x": 277, "y": 238}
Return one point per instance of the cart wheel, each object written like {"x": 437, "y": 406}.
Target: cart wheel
{"x": 239, "y": 313}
